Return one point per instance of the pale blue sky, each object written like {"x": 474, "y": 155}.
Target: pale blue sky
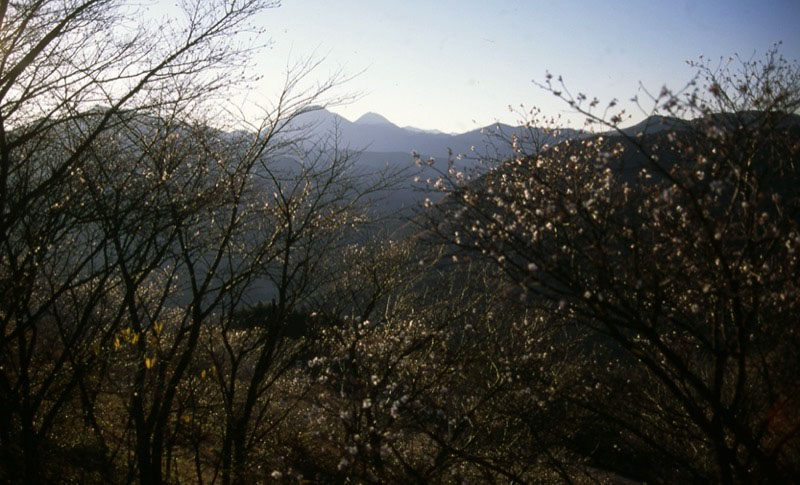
{"x": 457, "y": 65}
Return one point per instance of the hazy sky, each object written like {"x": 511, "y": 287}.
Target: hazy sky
{"x": 457, "y": 65}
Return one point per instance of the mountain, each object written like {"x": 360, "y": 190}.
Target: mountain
{"x": 372, "y": 119}
{"x": 374, "y": 133}
{"x": 420, "y": 130}
{"x": 384, "y": 145}
{"x": 655, "y": 124}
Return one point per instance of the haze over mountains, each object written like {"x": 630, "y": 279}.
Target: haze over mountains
{"x": 374, "y": 133}
{"x": 382, "y": 144}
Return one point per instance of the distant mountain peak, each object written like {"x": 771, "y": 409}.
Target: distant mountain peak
{"x": 430, "y": 132}
{"x": 372, "y": 119}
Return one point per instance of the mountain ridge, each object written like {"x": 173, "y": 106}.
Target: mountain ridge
{"x": 373, "y": 132}
{"x": 372, "y": 118}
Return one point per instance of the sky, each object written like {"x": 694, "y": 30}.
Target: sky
{"x": 458, "y": 65}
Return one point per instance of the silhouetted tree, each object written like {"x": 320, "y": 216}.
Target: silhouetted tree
{"x": 129, "y": 220}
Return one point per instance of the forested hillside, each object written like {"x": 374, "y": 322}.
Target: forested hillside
{"x": 189, "y": 296}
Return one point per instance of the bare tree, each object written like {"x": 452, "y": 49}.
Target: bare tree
{"x": 129, "y": 221}
{"x": 310, "y": 206}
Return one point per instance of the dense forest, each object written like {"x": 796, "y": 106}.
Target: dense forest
{"x": 190, "y": 297}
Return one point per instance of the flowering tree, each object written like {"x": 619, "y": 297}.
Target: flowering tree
{"x": 676, "y": 242}
{"x": 429, "y": 373}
